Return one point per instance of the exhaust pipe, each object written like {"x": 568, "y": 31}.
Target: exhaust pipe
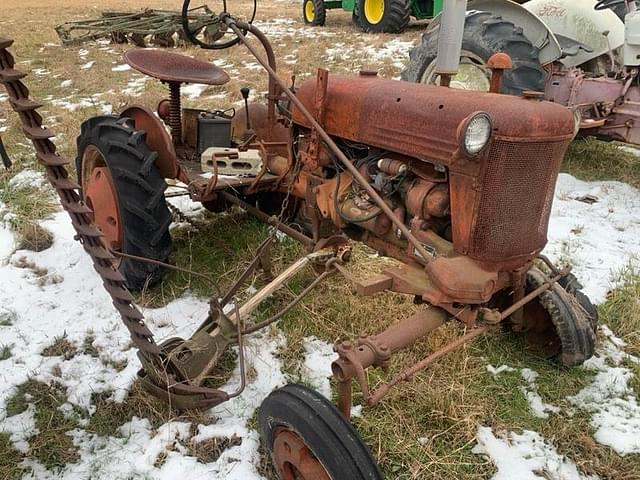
{"x": 450, "y": 39}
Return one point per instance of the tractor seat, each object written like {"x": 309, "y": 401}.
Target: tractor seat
{"x": 171, "y": 67}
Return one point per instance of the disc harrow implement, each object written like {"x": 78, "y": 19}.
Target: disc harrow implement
{"x": 162, "y": 28}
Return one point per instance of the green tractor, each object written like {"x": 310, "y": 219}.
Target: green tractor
{"x": 376, "y": 16}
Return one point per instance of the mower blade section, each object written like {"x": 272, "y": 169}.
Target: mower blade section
{"x": 160, "y": 376}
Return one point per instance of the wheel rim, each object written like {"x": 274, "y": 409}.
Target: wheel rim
{"x": 473, "y": 74}
{"x": 100, "y": 195}
{"x": 539, "y": 332}
{"x": 294, "y": 460}
{"x": 374, "y": 11}
{"x": 309, "y": 11}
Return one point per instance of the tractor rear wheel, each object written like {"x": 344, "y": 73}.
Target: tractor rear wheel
{"x": 484, "y": 35}
{"x": 384, "y": 16}
{"x": 314, "y": 12}
{"x": 125, "y": 190}
{"x": 308, "y": 439}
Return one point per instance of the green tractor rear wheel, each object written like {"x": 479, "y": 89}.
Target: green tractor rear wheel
{"x": 314, "y": 12}
{"x": 384, "y": 16}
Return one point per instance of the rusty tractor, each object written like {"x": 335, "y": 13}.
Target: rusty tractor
{"x": 584, "y": 55}
{"x": 457, "y": 186}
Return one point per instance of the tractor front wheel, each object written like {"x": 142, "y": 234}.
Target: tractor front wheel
{"x": 561, "y": 322}
{"x": 484, "y": 35}
{"x": 314, "y": 12}
{"x": 125, "y": 190}
{"x": 384, "y": 16}
{"x": 308, "y": 439}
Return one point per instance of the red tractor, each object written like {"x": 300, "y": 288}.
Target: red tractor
{"x": 457, "y": 186}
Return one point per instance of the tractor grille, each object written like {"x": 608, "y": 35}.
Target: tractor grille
{"x": 516, "y": 195}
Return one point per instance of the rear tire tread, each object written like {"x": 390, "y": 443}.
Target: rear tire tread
{"x": 396, "y": 17}
{"x": 140, "y": 188}
{"x": 485, "y": 34}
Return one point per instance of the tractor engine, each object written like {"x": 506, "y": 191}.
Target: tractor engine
{"x": 471, "y": 174}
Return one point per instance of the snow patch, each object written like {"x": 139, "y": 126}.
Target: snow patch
{"x": 498, "y": 370}
{"x": 87, "y": 65}
{"x": 21, "y": 428}
{"x": 317, "y": 364}
{"x": 193, "y": 90}
{"x": 615, "y": 410}
{"x": 598, "y": 239}
{"x": 121, "y": 68}
{"x": 525, "y": 456}
{"x": 27, "y": 179}
{"x": 537, "y": 405}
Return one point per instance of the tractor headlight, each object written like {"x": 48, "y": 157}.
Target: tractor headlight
{"x": 476, "y": 133}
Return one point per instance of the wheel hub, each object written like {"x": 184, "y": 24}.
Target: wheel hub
{"x": 472, "y": 74}
{"x": 374, "y": 11}
{"x": 309, "y": 11}
{"x": 101, "y": 197}
{"x": 293, "y": 458}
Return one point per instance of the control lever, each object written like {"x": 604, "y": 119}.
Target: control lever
{"x": 245, "y": 94}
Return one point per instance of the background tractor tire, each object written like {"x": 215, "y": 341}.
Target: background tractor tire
{"x": 484, "y": 35}
{"x": 384, "y": 16}
{"x": 355, "y": 16}
{"x": 144, "y": 215}
{"x": 314, "y": 12}
{"x": 329, "y": 440}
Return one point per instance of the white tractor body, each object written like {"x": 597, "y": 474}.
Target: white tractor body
{"x": 601, "y": 30}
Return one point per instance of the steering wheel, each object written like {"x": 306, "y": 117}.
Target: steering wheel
{"x": 191, "y": 34}
{"x": 607, "y": 4}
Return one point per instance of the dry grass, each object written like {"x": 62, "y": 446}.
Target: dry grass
{"x": 425, "y": 428}
{"x": 591, "y": 159}
{"x": 61, "y": 347}
{"x": 51, "y": 446}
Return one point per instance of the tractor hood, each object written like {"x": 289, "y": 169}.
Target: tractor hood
{"x": 425, "y": 121}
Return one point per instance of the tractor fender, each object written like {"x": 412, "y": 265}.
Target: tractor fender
{"x": 157, "y": 139}
{"x": 533, "y": 28}
{"x": 579, "y": 21}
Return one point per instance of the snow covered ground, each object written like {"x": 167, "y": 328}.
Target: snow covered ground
{"x": 68, "y": 298}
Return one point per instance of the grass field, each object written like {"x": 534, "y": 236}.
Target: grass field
{"x": 426, "y": 428}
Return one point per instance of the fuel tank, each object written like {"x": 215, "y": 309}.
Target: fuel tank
{"x": 423, "y": 121}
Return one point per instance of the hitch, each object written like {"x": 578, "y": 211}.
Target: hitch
{"x": 191, "y": 361}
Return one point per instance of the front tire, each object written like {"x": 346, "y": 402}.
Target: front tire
{"x": 307, "y": 438}
{"x": 560, "y": 322}
{"x": 484, "y": 35}
{"x": 133, "y": 213}
{"x": 384, "y": 16}
{"x": 314, "y": 12}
